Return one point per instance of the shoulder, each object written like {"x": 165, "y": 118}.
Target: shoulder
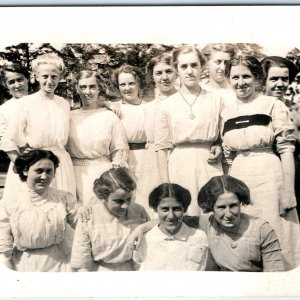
{"x": 59, "y": 195}
{"x": 137, "y": 210}
{"x": 62, "y": 101}
{"x": 195, "y": 236}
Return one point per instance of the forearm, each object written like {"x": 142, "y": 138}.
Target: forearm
{"x": 162, "y": 165}
{"x": 5, "y": 260}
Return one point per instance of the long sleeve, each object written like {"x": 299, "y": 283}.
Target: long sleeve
{"x": 6, "y": 238}
{"x": 270, "y": 250}
{"x": 82, "y": 250}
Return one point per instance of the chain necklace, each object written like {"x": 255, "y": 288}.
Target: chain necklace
{"x": 191, "y": 116}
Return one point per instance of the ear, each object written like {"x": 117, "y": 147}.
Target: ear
{"x": 25, "y": 173}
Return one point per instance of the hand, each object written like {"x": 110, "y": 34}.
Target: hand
{"x": 215, "y": 154}
{"x": 135, "y": 238}
{"x": 284, "y": 206}
{"x": 119, "y": 164}
{"x": 84, "y": 213}
{"x": 116, "y": 109}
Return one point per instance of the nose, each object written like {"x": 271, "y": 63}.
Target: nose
{"x": 87, "y": 90}
{"x": 125, "y": 205}
{"x": 170, "y": 214}
{"x": 222, "y": 66}
{"x": 44, "y": 175}
{"x": 240, "y": 81}
{"x": 228, "y": 213}
{"x": 279, "y": 82}
{"x": 189, "y": 70}
{"x": 164, "y": 76}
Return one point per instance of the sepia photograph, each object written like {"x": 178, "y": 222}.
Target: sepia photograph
{"x": 149, "y": 143}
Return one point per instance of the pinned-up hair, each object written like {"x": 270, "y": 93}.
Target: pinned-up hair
{"x": 49, "y": 59}
{"x": 27, "y": 159}
{"x": 111, "y": 180}
{"x": 14, "y": 68}
{"x": 218, "y": 47}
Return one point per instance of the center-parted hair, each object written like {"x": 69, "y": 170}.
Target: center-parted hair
{"x": 185, "y": 50}
{"x": 219, "y": 185}
{"x": 251, "y": 62}
{"x": 111, "y": 180}
{"x": 27, "y": 159}
{"x": 170, "y": 190}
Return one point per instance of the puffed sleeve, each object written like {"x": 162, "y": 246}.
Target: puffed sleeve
{"x": 6, "y": 238}
{"x": 270, "y": 249}
{"x": 283, "y": 127}
{"x": 81, "y": 256}
{"x": 162, "y": 130}
{"x": 12, "y": 136}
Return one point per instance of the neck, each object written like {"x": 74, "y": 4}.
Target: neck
{"x": 167, "y": 232}
{"x": 193, "y": 90}
{"x": 217, "y": 85}
{"x": 167, "y": 93}
{"x": 136, "y": 101}
{"x": 90, "y": 107}
{"x": 249, "y": 98}
{"x": 46, "y": 95}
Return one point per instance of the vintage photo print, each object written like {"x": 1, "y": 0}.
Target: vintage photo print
{"x": 154, "y": 92}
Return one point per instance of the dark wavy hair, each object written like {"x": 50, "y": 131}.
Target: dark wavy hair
{"x": 171, "y": 190}
{"x": 15, "y": 68}
{"x": 135, "y": 71}
{"x": 111, "y": 180}
{"x": 249, "y": 61}
{"x": 27, "y": 159}
{"x": 219, "y": 185}
{"x": 277, "y": 61}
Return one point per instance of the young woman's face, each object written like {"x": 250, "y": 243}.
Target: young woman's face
{"x": 128, "y": 86}
{"x": 277, "y": 82}
{"x": 48, "y": 77}
{"x": 118, "y": 201}
{"x": 227, "y": 210}
{"x": 164, "y": 76}
{"x": 170, "y": 214}
{"x": 216, "y": 66}
{"x": 40, "y": 175}
{"x": 88, "y": 91}
{"x": 242, "y": 82}
{"x": 189, "y": 69}
{"x": 16, "y": 83}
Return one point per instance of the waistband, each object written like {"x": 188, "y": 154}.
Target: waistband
{"x": 87, "y": 162}
{"x": 255, "y": 151}
{"x": 137, "y": 146}
{"x": 204, "y": 145}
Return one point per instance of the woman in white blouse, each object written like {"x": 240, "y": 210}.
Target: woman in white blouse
{"x": 188, "y": 125}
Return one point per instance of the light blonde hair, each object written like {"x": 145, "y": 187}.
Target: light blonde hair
{"x": 50, "y": 59}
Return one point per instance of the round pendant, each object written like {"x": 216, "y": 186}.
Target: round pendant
{"x": 233, "y": 245}
{"x": 192, "y": 116}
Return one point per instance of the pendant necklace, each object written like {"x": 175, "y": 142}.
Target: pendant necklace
{"x": 191, "y": 116}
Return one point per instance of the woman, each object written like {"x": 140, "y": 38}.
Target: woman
{"x": 217, "y": 56}
{"x": 33, "y": 226}
{"x": 251, "y": 126}
{"x": 187, "y": 124}
{"x": 238, "y": 242}
{"x": 130, "y": 81}
{"x": 171, "y": 245}
{"x": 96, "y": 138}
{"x": 162, "y": 74}
{"x": 100, "y": 244}
{"x": 43, "y": 121}
{"x": 279, "y": 74}
{"x": 15, "y": 78}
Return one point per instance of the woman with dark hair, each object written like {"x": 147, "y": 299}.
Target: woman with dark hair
{"x": 238, "y": 242}
{"x": 279, "y": 73}
{"x": 172, "y": 245}
{"x": 188, "y": 125}
{"x": 33, "y": 234}
{"x": 15, "y": 78}
{"x": 250, "y": 128}
{"x": 100, "y": 244}
{"x": 130, "y": 81}
{"x": 96, "y": 138}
